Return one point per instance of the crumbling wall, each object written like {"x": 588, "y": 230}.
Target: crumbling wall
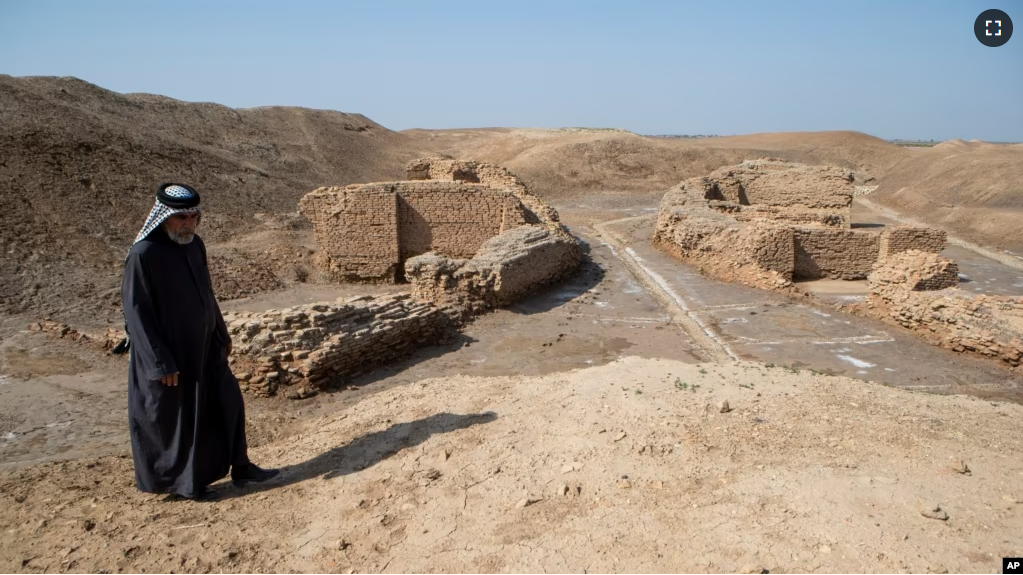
{"x": 505, "y": 269}
{"x": 536, "y": 212}
{"x": 835, "y": 254}
{"x": 797, "y": 231}
{"x": 918, "y": 291}
{"x": 904, "y": 238}
{"x": 914, "y": 270}
{"x": 445, "y": 169}
{"x": 356, "y": 230}
{"x": 367, "y": 231}
{"x": 771, "y": 247}
{"x": 452, "y": 219}
{"x": 820, "y": 194}
{"x": 303, "y": 348}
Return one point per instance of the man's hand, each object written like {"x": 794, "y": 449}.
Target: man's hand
{"x": 170, "y": 380}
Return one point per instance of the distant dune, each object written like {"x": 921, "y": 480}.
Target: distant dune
{"x": 568, "y": 162}
{"x": 973, "y": 189}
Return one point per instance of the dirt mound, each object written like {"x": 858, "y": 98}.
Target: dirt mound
{"x": 569, "y": 162}
{"x": 80, "y": 165}
{"x": 647, "y": 470}
{"x": 973, "y": 189}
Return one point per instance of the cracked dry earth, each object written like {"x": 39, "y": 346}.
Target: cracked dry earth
{"x": 629, "y": 466}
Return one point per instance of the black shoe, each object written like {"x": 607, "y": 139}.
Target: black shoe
{"x": 252, "y": 473}
{"x": 205, "y": 494}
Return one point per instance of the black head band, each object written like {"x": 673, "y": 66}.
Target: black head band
{"x": 177, "y": 196}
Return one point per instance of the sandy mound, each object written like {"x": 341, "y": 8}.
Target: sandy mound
{"x": 80, "y": 165}
{"x": 569, "y": 162}
{"x": 972, "y": 189}
{"x": 643, "y": 472}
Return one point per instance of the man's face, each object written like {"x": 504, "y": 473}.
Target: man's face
{"x": 181, "y": 227}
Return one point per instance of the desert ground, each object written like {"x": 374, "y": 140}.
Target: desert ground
{"x": 638, "y": 417}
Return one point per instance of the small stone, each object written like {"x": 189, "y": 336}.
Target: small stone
{"x": 19, "y": 498}
{"x": 525, "y": 502}
{"x": 343, "y": 544}
{"x": 444, "y": 454}
{"x": 723, "y": 407}
{"x": 621, "y": 435}
{"x": 934, "y": 512}
{"x": 563, "y": 489}
{"x": 825, "y": 549}
{"x": 90, "y": 524}
{"x": 753, "y": 568}
{"x": 243, "y": 376}
{"x": 567, "y": 468}
{"x": 293, "y": 394}
{"x": 959, "y": 466}
{"x": 624, "y": 484}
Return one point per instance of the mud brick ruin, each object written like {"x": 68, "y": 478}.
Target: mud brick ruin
{"x": 790, "y": 220}
{"x": 467, "y": 236}
{"x": 919, "y": 291}
{"x": 366, "y": 232}
{"x": 769, "y": 223}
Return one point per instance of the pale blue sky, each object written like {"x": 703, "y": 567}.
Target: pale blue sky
{"x": 899, "y": 69}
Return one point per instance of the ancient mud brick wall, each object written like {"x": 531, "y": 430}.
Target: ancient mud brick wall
{"x": 905, "y": 238}
{"x": 366, "y": 231}
{"x": 303, "y": 348}
{"x": 770, "y": 247}
{"x": 505, "y": 269}
{"x": 796, "y": 233}
{"x": 835, "y": 254}
{"x": 820, "y": 194}
{"x": 442, "y": 169}
{"x": 357, "y": 232}
{"x": 454, "y": 222}
{"x": 463, "y": 171}
{"x": 918, "y": 291}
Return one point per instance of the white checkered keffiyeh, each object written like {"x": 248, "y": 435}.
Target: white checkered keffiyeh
{"x": 161, "y": 212}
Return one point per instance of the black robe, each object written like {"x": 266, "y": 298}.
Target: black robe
{"x": 185, "y": 437}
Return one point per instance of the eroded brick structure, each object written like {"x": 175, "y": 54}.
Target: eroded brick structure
{"x": 366, "y": 232}
{"x": 468, "y": 236}
{"x": 781, "y": 221}
{"x": 768, "y": 223}
{"x": 304, "y": 348}
{"x": 506, "y": 268}
{"x": 918, "y": 290}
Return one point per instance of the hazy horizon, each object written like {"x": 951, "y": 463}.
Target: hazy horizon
{"x": 910, "y": 71}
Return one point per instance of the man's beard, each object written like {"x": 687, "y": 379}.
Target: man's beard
{"x": 182, "y": 237}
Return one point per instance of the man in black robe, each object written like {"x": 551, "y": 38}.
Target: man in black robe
{"x": 185, "y": 409}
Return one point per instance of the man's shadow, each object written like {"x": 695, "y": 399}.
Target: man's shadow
{"x": 363, "y": 452}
